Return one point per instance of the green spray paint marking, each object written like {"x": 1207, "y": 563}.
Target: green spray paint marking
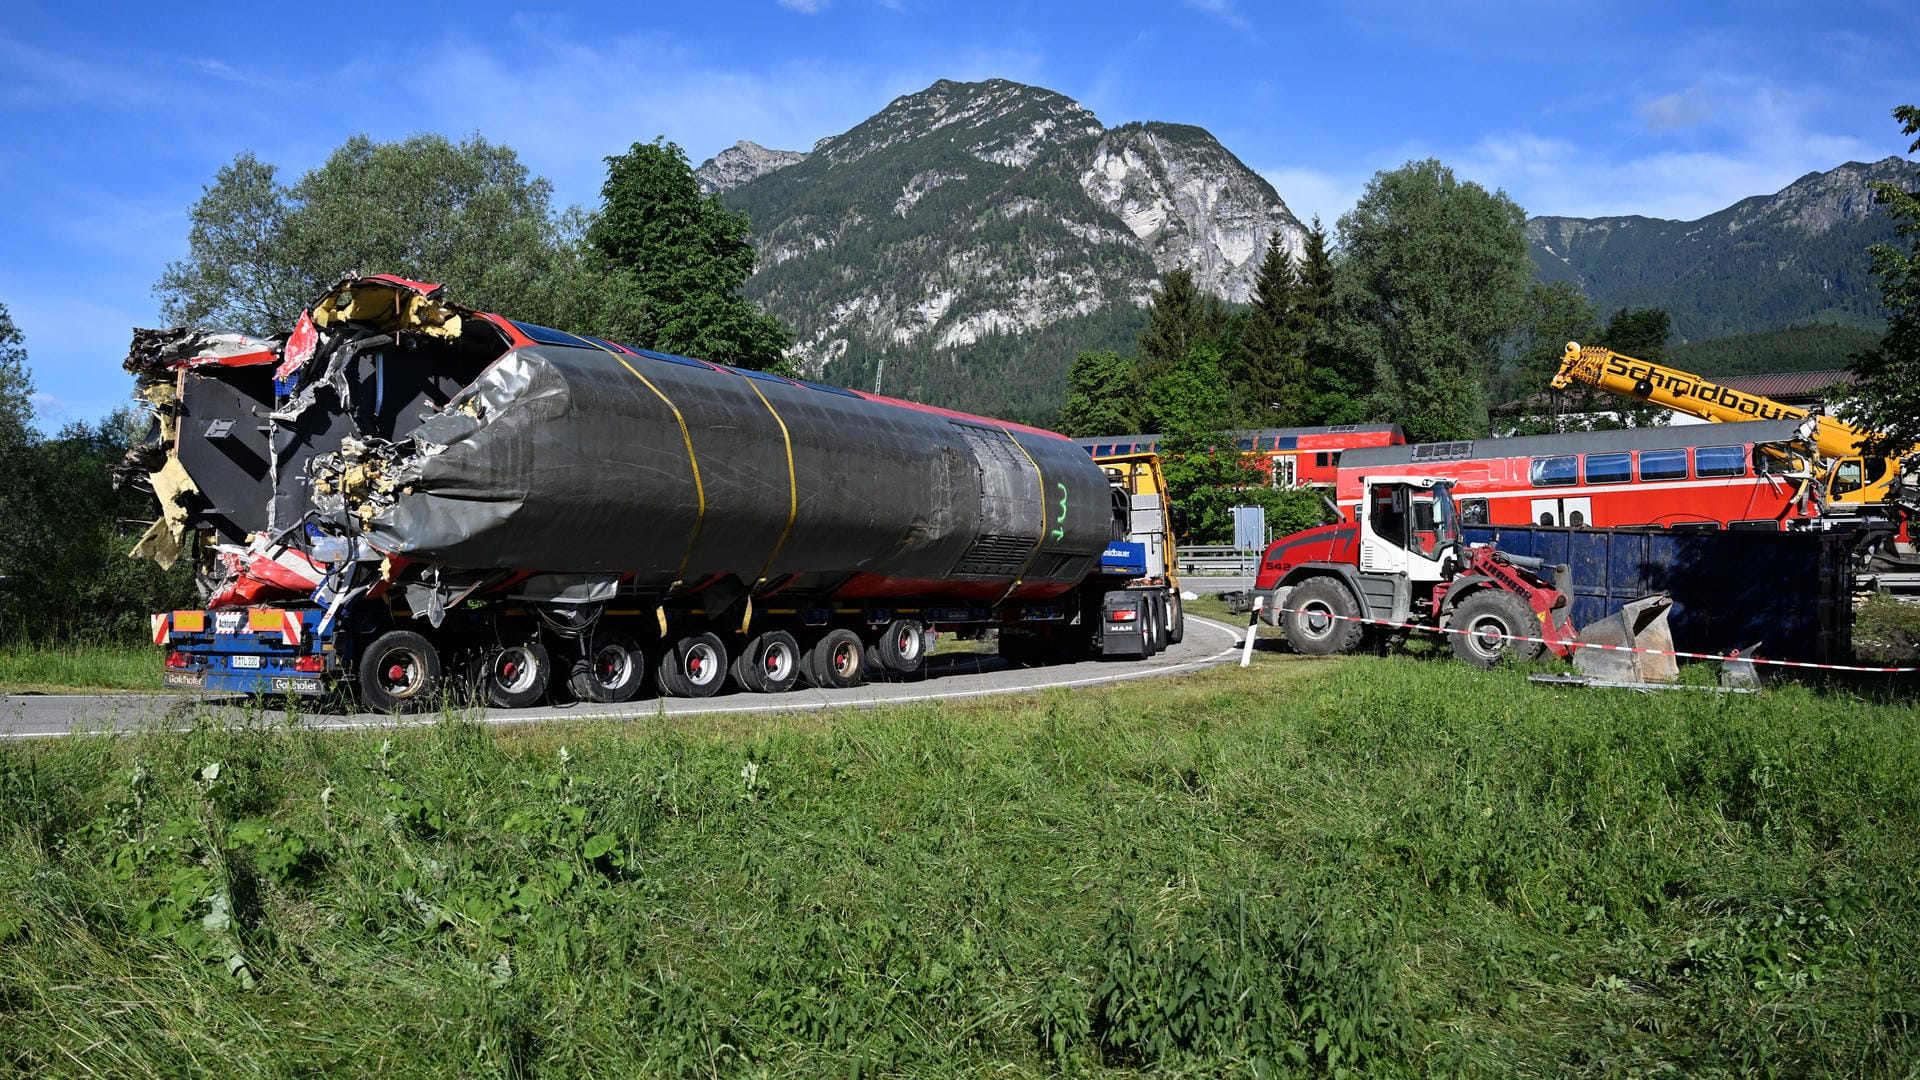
{"x": 1058, "y": 532}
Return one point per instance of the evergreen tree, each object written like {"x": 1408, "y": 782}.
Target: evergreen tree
{"x": 1179, "y": 317}
{"x": 1886, "y": 399}
{"x": 1557, "y": 313}
{"x": 1338, "y": 382}
{"x": 1271, "y": 348}
{"x": 1103, "y": 396}
{"x": 688, "y": 257}
{"x": 1432, "y": 280}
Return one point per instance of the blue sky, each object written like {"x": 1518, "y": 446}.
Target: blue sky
{"x": 116, "y": 115}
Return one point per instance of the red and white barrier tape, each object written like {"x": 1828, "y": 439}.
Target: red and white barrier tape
{"x": 1589, "y": 644}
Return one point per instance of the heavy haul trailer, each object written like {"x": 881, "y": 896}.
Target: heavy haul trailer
{"x": 405, "y": 489}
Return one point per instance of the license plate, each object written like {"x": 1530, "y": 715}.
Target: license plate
{"x": 298, "y": 686}
{"x": 246, "y": 661}
{"x": 184, "y": 678}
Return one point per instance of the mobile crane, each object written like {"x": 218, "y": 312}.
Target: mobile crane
{"x": 1850, "y": 483}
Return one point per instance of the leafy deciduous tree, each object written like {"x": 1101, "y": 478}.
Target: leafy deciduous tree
{"x": 688, "y": 257}
{"x": 1886, "y": 399}
{"x": 468, "y": 215}
{"x": 1557, "y": 313}
{"x": 1432, "y": 281}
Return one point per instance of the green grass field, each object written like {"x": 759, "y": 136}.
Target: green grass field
{"x": 31, "y": 667}
{"x": 1367, "y": 867}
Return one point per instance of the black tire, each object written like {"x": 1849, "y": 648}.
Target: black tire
{"x": 902, "y": 647}
{"x": 837, "y": 661}
{"x": 609, "y": 668}
{"x": 399, "y": 672}
{"x": 1152, "y": 625}
{"x": 1178, "y": 630}
{"x": 769, "y": 663}
{"x": 694, "y": 667}
{"x": 1320, "y": 620}
{"x": 516, "y": 676}
{"x": 1484, "y": 623}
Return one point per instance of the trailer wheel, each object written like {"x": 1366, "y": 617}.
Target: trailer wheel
{"x": 1178, "y": 630}
{"x": 1320, "y": 620}
{"x": 770, "y": 663}
{"x": 837, "y": 661}
{"x": 1485, "y": 624}
{"x": 516, "y": 676}
{"x": 399, "y": 672}
{"x": 902, "y": 646}
{"x": 695, "y": 667}
{"x": 610, "y": 668}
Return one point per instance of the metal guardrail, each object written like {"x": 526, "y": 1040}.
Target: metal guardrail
{"x": 1217, "y": 559}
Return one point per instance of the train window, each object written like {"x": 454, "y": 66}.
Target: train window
{"x": 1554, "y": 471}
{"x": 1266, "y": 443}
{"x": 1755, "y": 525}
{"x": 1663, "y": 464}
{"x": 1720, "y": 461}
{"x": 1473, "y": 511}
{"x": 1103, "y": 450}
{"x": 1609, "y": 468}
{"x": 1245, "y": 446}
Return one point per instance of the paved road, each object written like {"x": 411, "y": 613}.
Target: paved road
{"x": 948, "y": 677}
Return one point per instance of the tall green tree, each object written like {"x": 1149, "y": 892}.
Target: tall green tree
{"x": 1556, "y": 313}
{"x": 1189, "y": 406}
{"x": 16, "y": 447}
{"x": 1179, "y": 316}
{"x": 687, "y": 255}
{"x": 1103, "y": 396}
{"x": 1886, "y": 398}
{"x": 1432, "y": 281}
{"x": 468, "y": 215}
{"x": 1271, "y": 349}
{"x": 1339, "y": 382}
{"x": 1641, "y": 333}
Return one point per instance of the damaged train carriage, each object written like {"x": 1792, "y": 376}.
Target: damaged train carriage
{"x": 404, "y": 487}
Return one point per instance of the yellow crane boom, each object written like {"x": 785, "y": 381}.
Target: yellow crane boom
{"x": 1848, "y": 478}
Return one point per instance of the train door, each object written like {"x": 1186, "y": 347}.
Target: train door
{"x": 1575, "y": 512}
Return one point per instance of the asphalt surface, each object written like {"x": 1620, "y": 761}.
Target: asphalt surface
{"x": 947, "y": 677}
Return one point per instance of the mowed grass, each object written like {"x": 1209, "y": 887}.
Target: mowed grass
{"x": 48, "y": 668}
{"x": 1368, "y": 866}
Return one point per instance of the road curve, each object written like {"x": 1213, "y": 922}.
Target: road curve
{"x": 948, "y": 678}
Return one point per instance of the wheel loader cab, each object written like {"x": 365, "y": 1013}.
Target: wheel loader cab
{"x": 1408, "y": 526}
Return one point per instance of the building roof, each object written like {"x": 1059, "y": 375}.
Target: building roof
{"x": 1788, "y": 385}
{"x": 1798, "y": 388}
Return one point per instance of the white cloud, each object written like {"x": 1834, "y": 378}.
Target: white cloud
{"x": 1224, "y": 11}
{"x": 1681, "y": 156}
{"x": 1682, "y": 110}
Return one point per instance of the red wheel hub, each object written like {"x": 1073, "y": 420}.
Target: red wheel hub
{"x": 396, "y": 673}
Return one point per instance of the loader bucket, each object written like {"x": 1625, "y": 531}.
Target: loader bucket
{"x": 1639, "y": 624}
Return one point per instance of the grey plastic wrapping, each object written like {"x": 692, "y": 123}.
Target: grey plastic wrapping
{"x": 578, "y": 461}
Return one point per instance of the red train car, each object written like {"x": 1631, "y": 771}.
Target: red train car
{"x": 1694, "y": 476}
{"x": 1287, "y": 457}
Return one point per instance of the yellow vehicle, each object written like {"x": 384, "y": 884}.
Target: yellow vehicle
{"x": 1848, "y": 482}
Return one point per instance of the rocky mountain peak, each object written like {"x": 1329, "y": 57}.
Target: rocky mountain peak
{"x": 741, "y": 163}
{"x": 966, "y": 241}
{"x": 996, "y": 121}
